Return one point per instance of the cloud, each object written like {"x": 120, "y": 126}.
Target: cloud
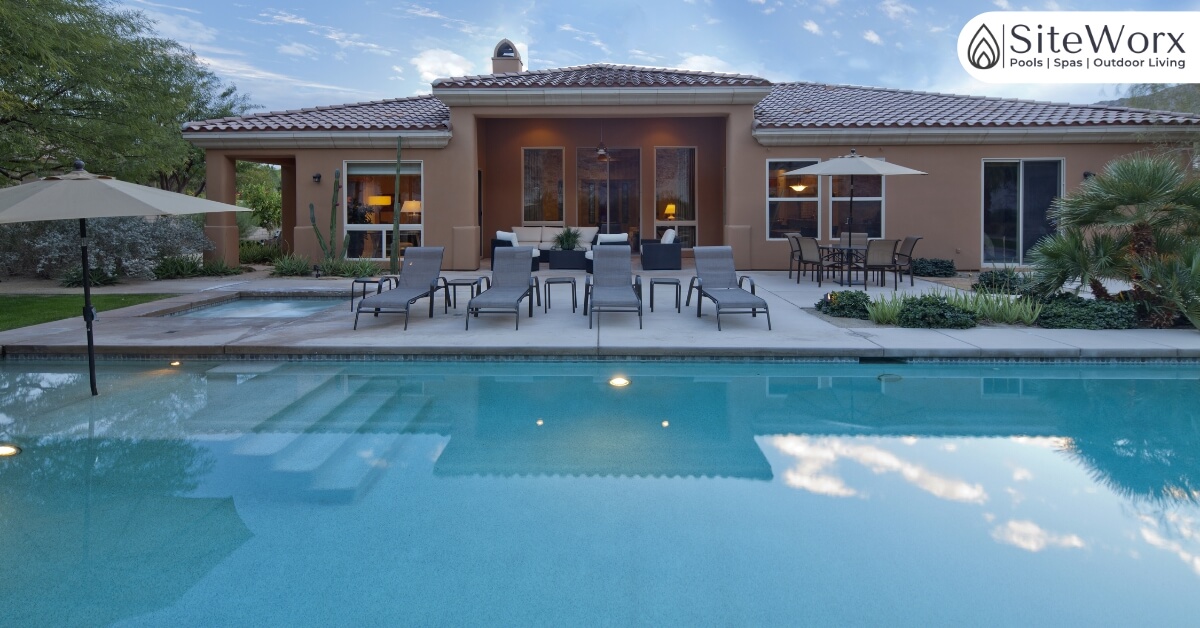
{"x": 758, "y": 1}
{"x": 896, "y": 10}
{"x": 438, "y": 63}
{"x": 642, "y": 55}
{"x": 711, "y": 21}
{"x": 267, "y": 84}
{"x": 705, "y": 63}
{"x": 180, "y": 28}
{"x": 167, "y": 6}
{"x": 297, "y": 50}
{"x": 586, "y": 37}
{"x": 1030, "y": 537}
{"x": 873, "y": 37}
{"x": 1022, "y": 475}
{"x": 814, "y": 457}
{"x": 1003, "y": 4}
{"x": 831, "y": 3}
{"x": 812, "y": 27}
{"x": 343, "y": 39}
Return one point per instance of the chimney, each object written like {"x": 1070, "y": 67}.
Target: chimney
{"x": 506, "y": 58}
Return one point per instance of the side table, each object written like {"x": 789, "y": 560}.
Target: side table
{"x": 474, "y": 283}
{"x": 366, "y": 281}
{"x": 560, "y": 280}
{"x": 671, "y": 281}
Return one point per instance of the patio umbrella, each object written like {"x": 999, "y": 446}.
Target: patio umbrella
{"x": 852, "y": 165}
{"x": 81, "y": 195}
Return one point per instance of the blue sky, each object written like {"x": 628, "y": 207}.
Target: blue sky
{"x": 305, "y": 53}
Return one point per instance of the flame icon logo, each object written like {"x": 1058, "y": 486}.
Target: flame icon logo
{"x": 984, "y": 51}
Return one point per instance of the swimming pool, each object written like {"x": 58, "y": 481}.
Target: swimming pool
{"x": 521, "y": 493}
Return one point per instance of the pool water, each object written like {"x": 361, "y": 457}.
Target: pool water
{"x": 250, "y": 307}
{"x": 475, "y": 493}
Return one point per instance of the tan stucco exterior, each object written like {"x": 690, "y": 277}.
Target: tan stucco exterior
{"x": 944, "y": 207}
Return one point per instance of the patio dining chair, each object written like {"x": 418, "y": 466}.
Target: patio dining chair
{"x": 419, "y": 278}
{"x": 717, "y": 281}
{"x": 512, "y": 280}
{"x": 612, "y": 286}
{"x": 808, "y": 256}
{"x": 904, "y": 256}
{"x": 881, "y": 256}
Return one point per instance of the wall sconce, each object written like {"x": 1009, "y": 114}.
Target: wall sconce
{"x": 317, "y": 178}
{"x": 669, "y": 212}
{"x": 1087, "y": 174}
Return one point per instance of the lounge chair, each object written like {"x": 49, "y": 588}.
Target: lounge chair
{"x": 512, "y": 280}
{"x": 419, "y": 278}
{"x": 609, "y": 288}
{"x": 717, "y": 280}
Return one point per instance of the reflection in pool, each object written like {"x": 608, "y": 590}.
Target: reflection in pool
{"x": 538, "y": 493}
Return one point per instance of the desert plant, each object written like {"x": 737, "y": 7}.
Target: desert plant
{"x": 292, "y": 265}
{"x": 329, "y": 247}
{"x": 178, "y": 267}
{"x": 257, "y": 253}
{"x": 845, "y": 304}
{"x": 885, "y": 309}
{"x": 1071, "y": 311}
{"x": 568, "y": 239}
{"x": 349, "y": 268}
{"x": 933, "y": 267}
{"x": 1141, "y": 214}
{"x": 218, "y": 268}
{"x": 73, "y": 278}
{"x": 934, "y": 311}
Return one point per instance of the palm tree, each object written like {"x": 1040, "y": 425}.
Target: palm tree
{"x": 1137, "y": 222}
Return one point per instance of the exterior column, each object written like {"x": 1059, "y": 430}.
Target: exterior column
{"x": 287, "y": 227}
{"x": 221, "y": 228}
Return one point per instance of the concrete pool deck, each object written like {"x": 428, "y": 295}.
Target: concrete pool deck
{"x": 798, "y": 332}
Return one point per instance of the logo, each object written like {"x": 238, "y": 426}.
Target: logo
{"x": 1082, "y": 47}
{"x": 984, "y": 50}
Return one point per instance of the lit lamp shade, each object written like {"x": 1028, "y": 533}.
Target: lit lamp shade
{"x": 411, "y": 207}
{"x": 379, "y": 200}
{"x": 669, "y": 212}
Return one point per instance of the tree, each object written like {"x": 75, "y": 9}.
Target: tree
{"x": 1138, "y": 223}
{"x": 258, "y": 187}
{"x": 82, "y": 78}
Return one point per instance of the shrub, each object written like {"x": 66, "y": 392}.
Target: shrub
{"x": 250, "y": 252}
{"x": 291, "y": 265}
{"x": 886, "y": 309}
{"x": 845, "y": 304}
{"x": 1003, "y": 281}
{"x": 349, "y": 268}
{"x": 1071, "y": 311}
{"x": 73, "y": 278}
{"x": 218, "y": 268}
{"x": 934, "y": 311}
{"x": 117, "y": 246}
{"x": 927, "y": 267}
{"x": 178, "y": 267}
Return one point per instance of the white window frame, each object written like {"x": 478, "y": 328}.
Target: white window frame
{"x": 881, "y": 198}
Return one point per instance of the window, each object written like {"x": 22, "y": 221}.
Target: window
{"x": 675, "y": 193}
{"x": 865, "y": 214}
{"x": 369, "y": 199}
{"x": 542, "y": 186}
{"x": 792, "y": 200}
{"x": 609, "y": 190}
{"x": 1016, "y": 200}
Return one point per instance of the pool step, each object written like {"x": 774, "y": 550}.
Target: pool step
{"x": 290, "y": 422}
{"x": 247, "y": 399}
{"x": 326, "y": 436}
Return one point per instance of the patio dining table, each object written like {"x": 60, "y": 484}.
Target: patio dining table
{"x": 847, "y": 256}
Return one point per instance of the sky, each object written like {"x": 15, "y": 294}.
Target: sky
{"x": 306, "y": 53}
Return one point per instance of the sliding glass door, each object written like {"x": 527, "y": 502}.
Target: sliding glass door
{"x": 1016, "y": 202}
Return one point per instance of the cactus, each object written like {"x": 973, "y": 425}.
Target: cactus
{"x": 328, "y": 244}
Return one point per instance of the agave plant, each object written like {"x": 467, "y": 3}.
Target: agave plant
{"x": 1130, "y": 224}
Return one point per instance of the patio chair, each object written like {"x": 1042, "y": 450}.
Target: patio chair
{"x": 512, "y": 280}
{"x": 717, "y": 280}
{"x": 419, "y": 278}
{"x": 904, "y": 256}
{"x": 881, "y": 256}
{"x": 807, "y": 255}
{"x": 612, "y": 286}
{"x": 509, "y": 238}
{"x": 664, "y": 254}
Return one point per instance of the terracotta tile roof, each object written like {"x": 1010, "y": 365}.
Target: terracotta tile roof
{"x": 816, "y": 105}
{"x": 602, "y": 75}
{"x": 416, "y": 113}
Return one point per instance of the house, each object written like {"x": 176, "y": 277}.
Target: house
{"x": 639, "y": 150}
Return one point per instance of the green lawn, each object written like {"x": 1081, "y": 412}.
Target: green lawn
{"x": 24, "y": 310}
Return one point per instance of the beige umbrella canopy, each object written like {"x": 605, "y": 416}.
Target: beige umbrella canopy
{"x": 81, "y": 195}
{"x": 854, "y": 165}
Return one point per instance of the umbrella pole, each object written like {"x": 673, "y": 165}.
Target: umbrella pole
{"x": 89, "y": 313}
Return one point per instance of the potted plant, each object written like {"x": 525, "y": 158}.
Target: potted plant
{"x": 567, "y": 239}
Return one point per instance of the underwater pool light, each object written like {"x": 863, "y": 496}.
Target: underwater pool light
{"x": 618, "y": 381}
{"x": 8, "y": 450}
